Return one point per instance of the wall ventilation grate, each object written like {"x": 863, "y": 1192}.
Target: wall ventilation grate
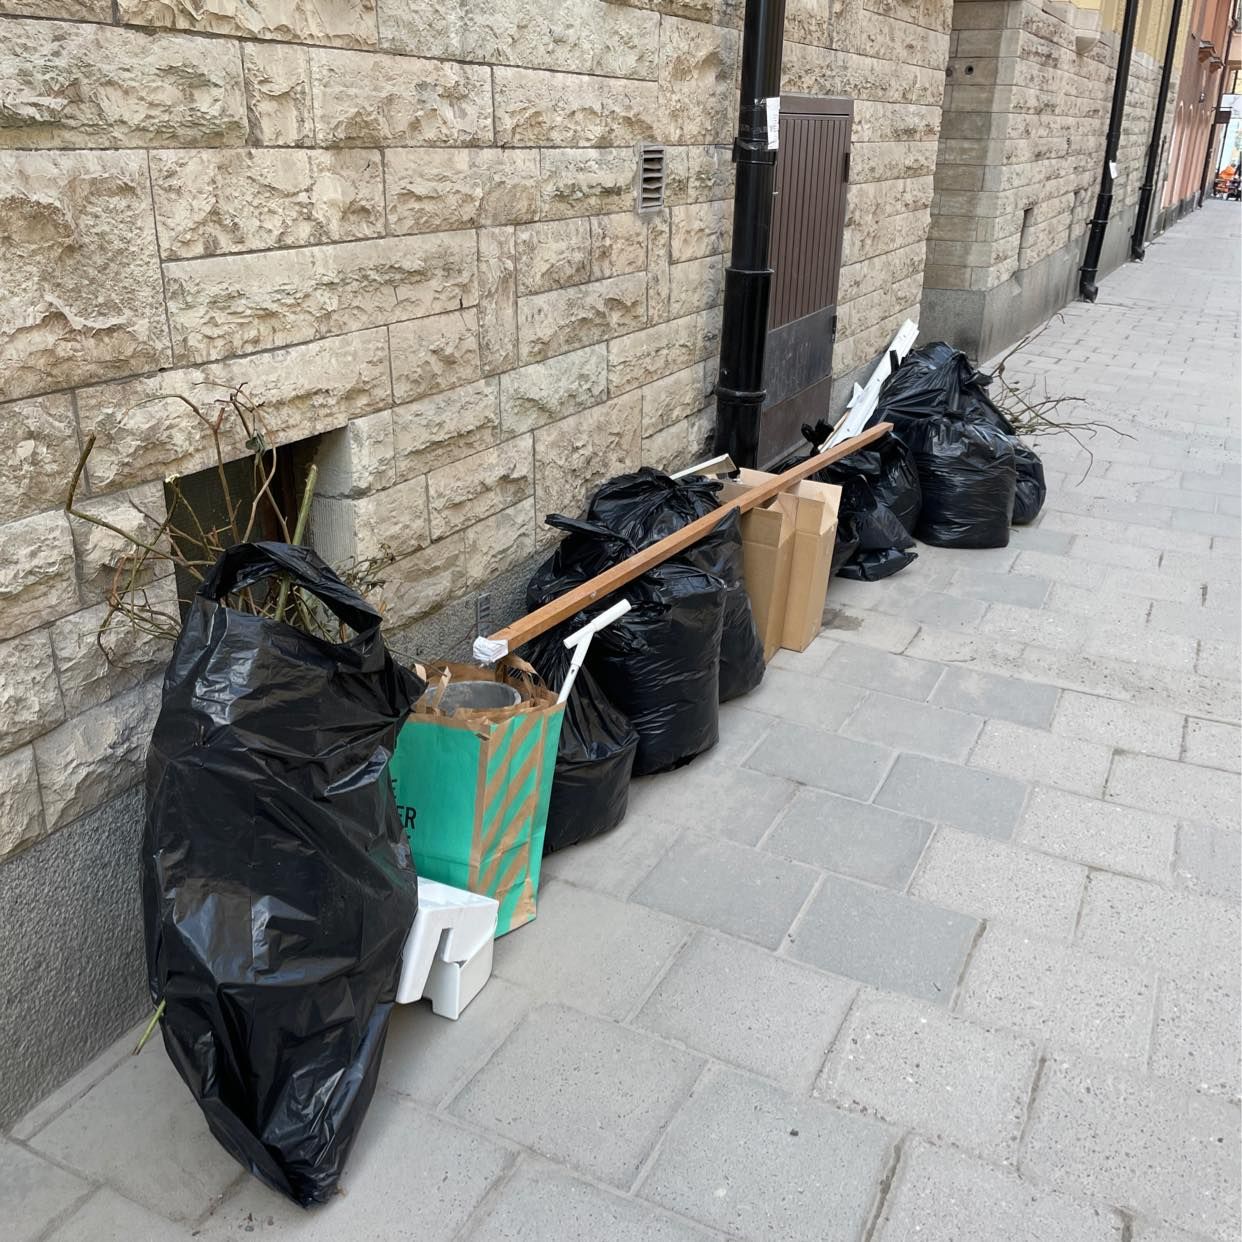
{"x": 652, "y": 174}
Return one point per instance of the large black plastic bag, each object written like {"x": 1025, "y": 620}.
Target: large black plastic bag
{"x": 1031, "y": 488}
{"x": 595, "y": 756}
{"x": 645, "y": 506}
{"x": 277, "y": 883}
{"x": 660, "y": 663}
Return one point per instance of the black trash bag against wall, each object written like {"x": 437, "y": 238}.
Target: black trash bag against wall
{"x": 1031, "y": 488}
{"x": 595, "y": 756}
{"x": 277, "y": 884}
{"x": 645, "y": 506}
{"x": 659, "y": 665}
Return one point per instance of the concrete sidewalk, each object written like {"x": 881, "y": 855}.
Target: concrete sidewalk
{"x": 941, "y": 942}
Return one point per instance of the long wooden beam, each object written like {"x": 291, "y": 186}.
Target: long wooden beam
{"x": 490, "y": 649}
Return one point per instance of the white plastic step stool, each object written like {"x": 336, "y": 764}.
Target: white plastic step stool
{"x": 448, "y": 953}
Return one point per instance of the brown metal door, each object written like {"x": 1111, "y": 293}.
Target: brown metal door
{"x": 808, "y": 230}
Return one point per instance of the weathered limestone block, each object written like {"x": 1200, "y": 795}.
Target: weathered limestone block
{"x": 870, "y": 76}
{"x": 642, "y": 357}
{"x": 675, "y": 397}
{"x": 575, "y": 455}
{"x": 70, "y": 10}
{"x": 709, "y": 174}
{"x": 37, "y": 580}
{"x": 30, "y": 699}
{"x": 546, "y": 391}
{"x": 95, "y": 755}
{"x": 143, "y": 429}
{"x": 698, "y": 75}
{"x": 808, "y": 21}
{"x": 358, "y": 458}
{"x": 417, "y": 585}
{"x": 38, "y": 450}
{"x": 21, "y": 810}
{"x": 535, "y": 108}
{"x": 618, "y": 244}
{"x": 880, "y": 270}
{"x": 861, "y": 313}
{"x": 565, "y": 319}
{"x": 681, "y": 443}
{"x": 88, "y": 676}
{"x": 364, "y": 99}
{"x": 278, "y": 103}
{"x": 438, "y": 352}
{"x": 68, "y": 84}
{"x": 81, "y": 298}
{"x": 700, "y": 229}
{"x": 431, "y": 190}
{"x": 340, "y": 23}
{"x": 887, "y": 198}
{"x": 696, "y": 285}
{"x": 240, "y": 303}
{"x": 552, "y": 254}
{"x": 475, "y": 487}
{"x": 658, "y": 291}
{"x": 903, "y": 42}
{"x": 895, "y": 122}
{"x": 587, "y": 181}
{"x": 879, "y": 236}
{"x": 499, "y": 542}
{"x": 446, "y": 427}
{"x": 101, "y": 552}
{"x": 390, "y": 522}
{"x": 212, "y": 202}
{"x": 719, "y": 12}
{"x": 498, "y": 314}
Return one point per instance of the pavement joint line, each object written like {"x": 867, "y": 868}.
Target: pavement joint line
{"x": 789, "y": 936}
{"x": 711, "y": 1067}
{"x": 482, "y": 1209}
{"x": 956, "y": 995}
{"x": 880, "y": 1203}
{"x": 1029, "y": 1113}
{"x": 1082, "y": 906}
{"x": 659, "y": 977}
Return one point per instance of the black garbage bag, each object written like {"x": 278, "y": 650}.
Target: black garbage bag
{"x": 897, "y": 485}
{"x": 660, "y": 663}
{"x": 591, "y": 783}
{"x": 277, "y": 883}
{"x": 872, "y": 565}
{"x": 846, "y": 546}
{"x": 645, "y": 506}
{"x": 1031, "y": 489}
{"x": 968, "y": 476}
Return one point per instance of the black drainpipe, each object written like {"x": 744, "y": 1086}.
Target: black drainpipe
{"x": 748, "y": 278}
{"x": 1138, "y": 239}
{"x": 1087, "y": 287}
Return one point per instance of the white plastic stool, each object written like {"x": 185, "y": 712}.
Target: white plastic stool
{"x": 448, "y": 953}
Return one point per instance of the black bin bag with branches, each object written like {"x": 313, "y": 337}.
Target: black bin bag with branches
{"x": 278, "y": 888}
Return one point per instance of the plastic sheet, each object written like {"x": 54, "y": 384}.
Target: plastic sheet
{"x": 277, "y": 884}
{"x": 1031, "y": 489}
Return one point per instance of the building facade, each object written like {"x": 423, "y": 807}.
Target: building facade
{"x": 410, "y": 229}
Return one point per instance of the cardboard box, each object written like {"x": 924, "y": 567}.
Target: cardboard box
{"x": 815, "y": 536}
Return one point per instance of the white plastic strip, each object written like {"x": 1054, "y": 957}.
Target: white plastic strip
{"x": 862, "y": 404}
{"x": 580, "y": 640}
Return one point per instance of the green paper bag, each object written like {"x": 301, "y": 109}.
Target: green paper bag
{"x": 473, "y": 788}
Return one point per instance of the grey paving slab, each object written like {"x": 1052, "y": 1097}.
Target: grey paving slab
{"x": 809, "y": 661}
{"x": 1114, "y": 722}
{"x": 802, "y": 698}
{"x": 1050, "y": 991}
{"x": 140, "y": 1131}
{"x": 944, "y": 1196}
{"x": 885, "y": 939}
{"x": 106, "y": 1217}
{"x": 1056, "y": 567}
{"x": 1212, "y": 744}
{"x": 883, "y": 671}
{"x": 970, "y": 798}
{"x": 34, "y": 1192}
{"x": 588, "y": 950}
{"x": 720, "y": 799}
{"x": 1197, "y": 1038}
{"x": 949, "y": 1080}
{"x": 581, "y": 1091}
{"x": 616, "y": 862}
{"x": 859, "y": 627}
{"x": 995, "y": 880}
{"x": 941, "y": 608}
{"x": 742, "y": 891}
{"x": 743, "y": 1006}
{"x": 855, "y": 839}
{"x": 412, "y": 1174}
{"x": 1100, "y": 834}
{"x": 1182, "y": 789}
{"x": 757, "y": 1162}
{"x": 918, "y": 727}
{"x": 1023, "y": 590}
{"x": 812, "y": 757}
{"x": 1121, "y": 1138}
{"x": 541, "y": 1202}
{"x": 1034, "y": 755}
{"x": 1177, "y": 932}
{"x": 428, "y": 1058}
{"x": 1144, "y": 645}
{"x": 1036, "y": 539}
{"x": 1209, "y": 860}
{"x": 740, "y": 729}
{"x": 1004, "y": 698}
{"x": 1109, "y": 552}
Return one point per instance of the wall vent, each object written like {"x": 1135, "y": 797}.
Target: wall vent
{"x": 652, "y": 172}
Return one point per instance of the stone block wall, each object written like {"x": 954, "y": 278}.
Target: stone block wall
{"x": 409, "y": 228}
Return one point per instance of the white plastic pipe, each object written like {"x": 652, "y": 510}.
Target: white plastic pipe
{"x": 580, "y": 640}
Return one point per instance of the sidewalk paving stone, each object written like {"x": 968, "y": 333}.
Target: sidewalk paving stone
{"x": 1005, "y": 698}
{"x": 1023, "y": 590}
{"x": 1209, "y": 860}
{"x": 947, "y": 1079}
{"x": 979, "y": 801}
{"x": 1196, "y": 1039}
{"x": 784, "y": 695}
{"x": 106, "y": 1217}
{"x": 825, "y": 760}
{"x": 1180, "y": 789}
{"x": 34, "y": 1192}
{"x": 883, "y": 672}
{"x": 616, "y": 862}
{"x": 745, "y": 1157}
{"x": 1113, "y": 722}
{"x": 918, "y": 727}
{"x": 1034, "y": 755}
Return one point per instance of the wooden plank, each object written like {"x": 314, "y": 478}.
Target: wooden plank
{"x": 490, "y": 649}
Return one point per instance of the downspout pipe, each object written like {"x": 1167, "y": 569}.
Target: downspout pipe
{"x": 740, "y": 392}
{"x": 1138, "y": 239}
{"x": 1087, "y": 287}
